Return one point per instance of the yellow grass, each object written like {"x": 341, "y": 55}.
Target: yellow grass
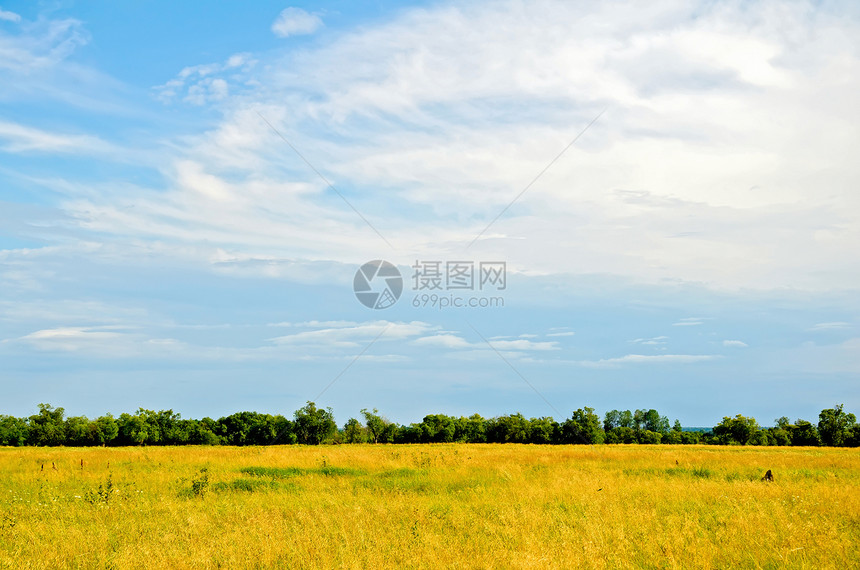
{"x": 428, "y": 506}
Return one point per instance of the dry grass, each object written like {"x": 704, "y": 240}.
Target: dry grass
{"x": 474, "y": 506}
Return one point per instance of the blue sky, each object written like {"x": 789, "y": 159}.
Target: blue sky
{"x": 697, "y": 250}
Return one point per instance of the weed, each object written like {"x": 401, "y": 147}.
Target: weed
{"x": 103, "y": 494}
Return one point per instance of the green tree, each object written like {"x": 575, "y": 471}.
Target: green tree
{"x": 103, "y": 430}
{"x": 834, "y": 425}
{"x": 691, "y": 437}
{"x": 655, "y": 423}
{"x": 438, "y": 428}
{"x": 804, "y": 433}
{"x": 544, "y": 430}
{"x": 47, "y": 427}
{"x": 263, "y": 430}
{"x": 152, "y": 422}
{"x": 171, "y": 430}
{"x": 620, "y": 434}
{"x": 582, "y": 427}
{"x": 472, "y": 429}
{"x": 313, "y": 425}
{"x": 77, "y": 430}
{"x": 13, "y": 431}
{"x": 354, "y": 432}
{"x": 853, "y": 438}
{"x": 626, "y": 420}
{"x": 376, "y": 424}
{"x": 133, "y": 429}
{"x": 648, "y": 437}
{"x": 672, "y": 437}
{"x": 611, "y": 420}
{"x": 737, "y": 430}
{"x": 512, "y": 428}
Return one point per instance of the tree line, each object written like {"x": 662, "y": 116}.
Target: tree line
{"x": 311, "y": 425}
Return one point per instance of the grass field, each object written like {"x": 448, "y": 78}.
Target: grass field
{"x": 455, "y": 505}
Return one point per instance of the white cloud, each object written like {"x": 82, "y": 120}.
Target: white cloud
{"x": 735, "y": 343}
{"x": 648, "y": 359}
{"x": 523, "y": 345}
{"x": 19, "y": 138}
{"x": 350, "y": 336}
{"x": 688, "y": 322}
{"x": 655, "y": 341}
{"x": 678, "y": 181}
{"x": 836, "y": 325}
{"x": 101, "y": 342}
{"x": 295, "y": 22}
{"x": 9, "y": 16}
{"x": 210, "y": 83}
{"x": 555, "y": 334}
{"x": 39, "y": 45}
{"x": 451, "y": 341}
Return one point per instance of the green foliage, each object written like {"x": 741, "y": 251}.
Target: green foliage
{"x": 648, "y": 437}
{"x": 102, "y": 495}
{"x": 103, "y": 430}
{"x": 512, "y": 428}
{"x": 375, "y": 424}
{"x": 354, "y": 432}
{"x": 804, "y": 433}
{"x": 13, "y": 431}
{"x": 583, "y": 427}
{"x": 626, "y": 420}
{"x": 77, "y": 431}
{"x": 672, "y": 437}
{"x": 853, "y": 437}
{"x": 246, "y": 485}
{"x": 620, "y": 434}
{"x": 611, "y": 420}
{"x": 438, "y": 428}
{"x": 738, "y": 430}
{"x": 472, "y": 429}
{"x": 199, "y": 484}
{"x": 47, "y": 427}
{"x": 544, "y": 430}
{"x": 313, "y": 425}
{"x": 289, "y": 472}
{"x": 834, "y": 425}
{"x": 691, "y": 437}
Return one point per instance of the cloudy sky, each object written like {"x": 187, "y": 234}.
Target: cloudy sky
{"x": 673, "y": 189}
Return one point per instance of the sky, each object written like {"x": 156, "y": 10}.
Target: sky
{"x": 635, "y": 206}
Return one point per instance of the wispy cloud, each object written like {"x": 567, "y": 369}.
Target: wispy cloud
{"x": 688, "y": 322}
{"x": 209, "y": 83}
{"x": 39, "y": 45}
{"x": 18, "y": 138}
{"x": 831, "y": 326}
{"x": 735, "y": 344}
{"x": 451, "y": 341}
{"x": 648, "y": 359}
{"x": 394, "y": 108}
{"x": 655, "y": 341}
{"x": 9, "y": 16}
{"x": 295, "y": 22}
{"x": 353, "y": 335}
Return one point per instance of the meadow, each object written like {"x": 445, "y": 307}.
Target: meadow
{"x": 429, "y": 506}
